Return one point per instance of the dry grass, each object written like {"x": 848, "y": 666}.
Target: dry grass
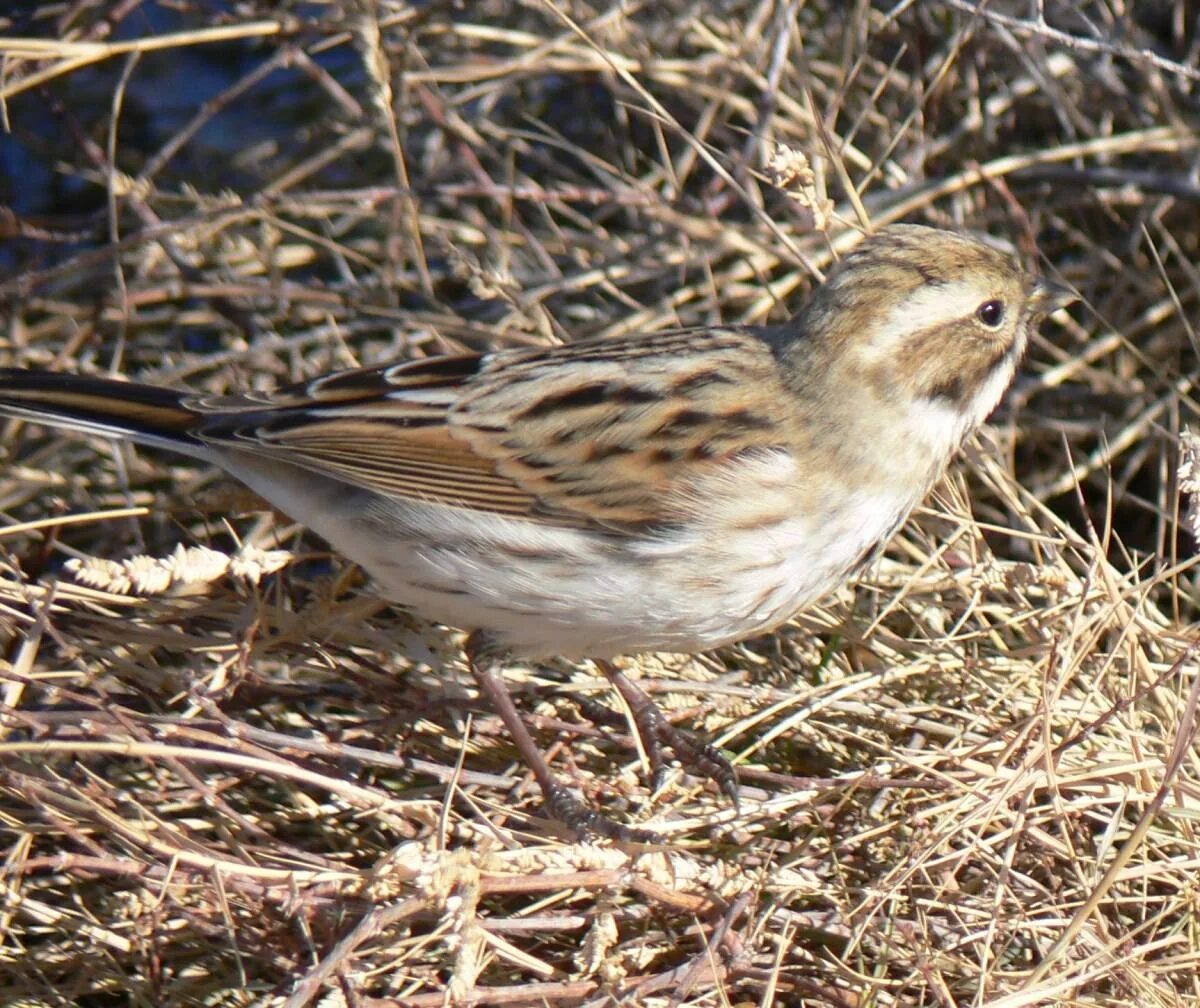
{"x": 970, "y": 781}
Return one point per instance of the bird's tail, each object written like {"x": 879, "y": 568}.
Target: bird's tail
{"x": 147, "y": 414}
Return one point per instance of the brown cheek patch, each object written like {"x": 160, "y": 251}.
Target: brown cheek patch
{"x": 950, "y": 368}
{"x": 952, "y": 389}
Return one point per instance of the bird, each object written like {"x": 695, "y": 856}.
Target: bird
{"x": 675, "y": 491}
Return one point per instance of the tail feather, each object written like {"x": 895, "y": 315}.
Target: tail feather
{"x": 147, "y": 414}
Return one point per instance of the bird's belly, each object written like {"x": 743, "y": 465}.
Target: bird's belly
{"x": 552, "y": 591}
{"x": 541, "y": 589}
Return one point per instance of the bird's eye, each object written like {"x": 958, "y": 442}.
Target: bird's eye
{"x": 990, "y": 313}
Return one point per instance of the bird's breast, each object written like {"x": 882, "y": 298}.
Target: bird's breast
{"x": 758, "y": 545}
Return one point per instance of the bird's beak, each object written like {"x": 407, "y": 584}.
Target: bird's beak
{"x": 1048, "y": 296}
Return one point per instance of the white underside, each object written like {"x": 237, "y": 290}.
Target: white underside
{"x": 542, "y": 590}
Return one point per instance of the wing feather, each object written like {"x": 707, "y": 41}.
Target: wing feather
{"x": 622, "y": 435}
{"x": 609, "y": 432}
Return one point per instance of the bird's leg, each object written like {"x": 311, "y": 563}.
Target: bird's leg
{"x": 659, "y": 734}
{"x": 485, "y": 661}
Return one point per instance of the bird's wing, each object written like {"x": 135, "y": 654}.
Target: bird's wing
{"x": 603, "y": 431}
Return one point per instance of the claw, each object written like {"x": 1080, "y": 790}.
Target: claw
{"x": 659, "y": 735}
{"x": 584, "y": 821}
{"x": 485, "y": 661}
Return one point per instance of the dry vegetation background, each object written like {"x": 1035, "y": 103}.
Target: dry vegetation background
{"x": 227, "y": 779}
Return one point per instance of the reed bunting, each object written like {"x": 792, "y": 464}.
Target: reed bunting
{"x": 674, "y": 491}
